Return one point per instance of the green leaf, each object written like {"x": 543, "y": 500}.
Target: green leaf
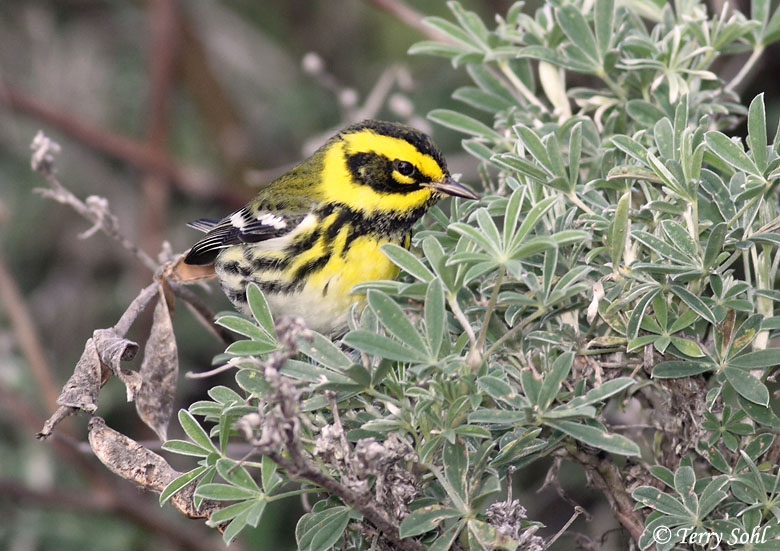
{"x": 452, "y": 31}
{"x": 680, "y": 238}
{"x": 761, "y": 414}
{"x": 180, "y": 482}
{"x": 730, "y": 152}
{"x": 748, "y": 386}
{"x": 496, "y": 416}
{"x": 381, "y": 346}
{"x": 631, "y": 147}
{"x": 445, "y": 541}
{"x": 473, "y": 234}
{"x": 235, "y": 474}
{"x": 694, "y": 302}
{"x": 464, "y": 123}
{"x": 425, "y": 519}
{"x": 757, "y": 140}
{"x": 480, "y": 99}
{"x": 575, "y": 148}
{"x": 512, "y": 213}
{"x": 484, "y": 536}
{"x": 471, "y": 23}
{"x": 596, "y": 437}
{"x": 688, "y": 347}
{"x": 244, "y": 327}
{"x": 488, "y": 226}
{"x": 534, "y": 146}
{"x": 601, "y": 393}
{"x": 620, "y": 227}
{"x": 715, "y": 244}
{"x": 407, "y": 261}
{"x": 321, "y": 530}
{"x": 429, "y": 47}
{"x": 250, "y": 348}
{"x": 684, "y": 482}
{"x": 635, "y": 320}
{"x": 323, "y": 351}
{"x": 760, "y": 358}
{"x": 183, "y": 447}
{"x": 721, "y": 196}
{"x": 259, "y": 308}
{"x": 680, "y": 368}
{"x": 235, "y": 526}
{"x": 529, "y": 221}
{"x": 551, "y": 383}
{"x": 660, "y": 501}
{"x": 456, "y": 468}
{"x": 510, "y": 161}
{"x": 577, "y": 30}
{"x": 229, "y": 512}
{"x": 644, "y": 113}
{"x": 195, "y": 431}
{"x": 329, "y": 530}
{"x": 664, "y": 138}
{"x": 224, "y": 492}
{"x": 393, "y": 318}
{"x": 435, "y": 316}
{"x": 603, "y": 19}
{"x": 661, "y": 247}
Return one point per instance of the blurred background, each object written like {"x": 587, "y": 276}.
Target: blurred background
{"x": 176, "y": 110}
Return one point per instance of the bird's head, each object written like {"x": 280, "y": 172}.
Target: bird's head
{"x": 387, "y": 166}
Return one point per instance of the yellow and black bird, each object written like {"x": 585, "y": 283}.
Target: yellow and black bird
{"x": 315, "y": 232}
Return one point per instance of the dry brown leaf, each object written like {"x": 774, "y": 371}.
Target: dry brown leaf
{"x": 159, "y": 372}
{"x": 81, "y": 390}
{"x": 130, "y": 460}
{"x": 113, "y": 349}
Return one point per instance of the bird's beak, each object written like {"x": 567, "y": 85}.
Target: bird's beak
{"x": 449, "y": 186}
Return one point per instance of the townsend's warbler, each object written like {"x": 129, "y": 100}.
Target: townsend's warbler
{"x": 315, "y": 232}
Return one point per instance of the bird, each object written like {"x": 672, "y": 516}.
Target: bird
{"x": 316, "y": 231}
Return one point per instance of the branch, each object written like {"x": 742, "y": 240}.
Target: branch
{"x": 129, "y": 505}
{"x": 27, "y": 335}
{"x": 120, "y": 147}
{"x": 202, "y": 312}
{"x": 605, "y": 475}
{"x": 408, "y": 16}
{"x": 95, "y": 209}
{"x": 280, "y": 427}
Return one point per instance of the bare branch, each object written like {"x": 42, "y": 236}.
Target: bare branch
{"x": 408, "y": 16}
{"x": 115, "y": 145}
{"x": 27, "y": 335}
{"x": 95, "y": 209}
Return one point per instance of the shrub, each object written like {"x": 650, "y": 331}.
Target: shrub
{"x": 623, "y": 258}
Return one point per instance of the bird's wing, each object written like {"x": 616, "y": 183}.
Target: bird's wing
{"x": 242, "y": 226}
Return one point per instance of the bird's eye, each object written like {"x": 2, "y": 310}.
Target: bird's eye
{"x": 404, "y": 168}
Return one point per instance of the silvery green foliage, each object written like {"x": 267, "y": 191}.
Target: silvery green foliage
{"x": 625, "y": 251}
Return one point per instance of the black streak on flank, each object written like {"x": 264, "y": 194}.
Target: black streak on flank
{"x": 261, "y": 264}
{"x": 236, "y": 296}
{"x": 234, "y": 268}
{"x": 345, "y": 216}
{"x": 325, "y": 289}
{"x": 303, "y": 243}
{"x": 310, "y": 267}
